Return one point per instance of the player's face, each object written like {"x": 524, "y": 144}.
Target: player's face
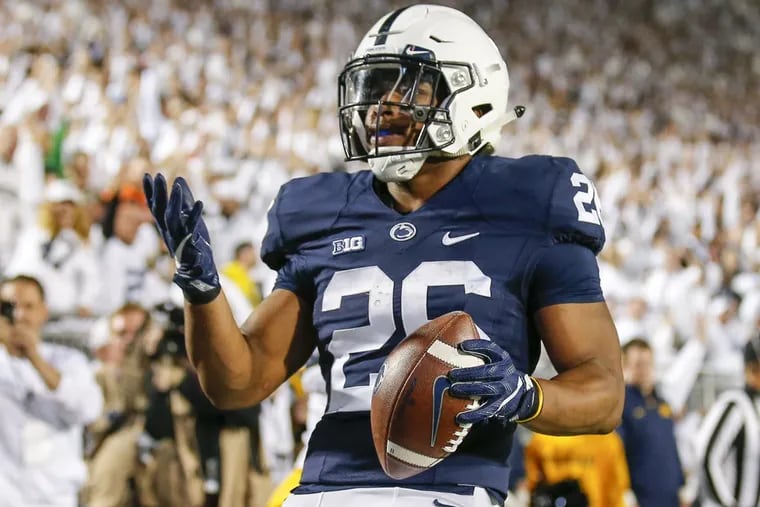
{"x": 388, "y": 103}
{"x": 390, "y": 124}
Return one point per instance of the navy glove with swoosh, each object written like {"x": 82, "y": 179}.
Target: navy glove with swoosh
{"x": 180, "y": 223}
{"x": 506, "y": 394}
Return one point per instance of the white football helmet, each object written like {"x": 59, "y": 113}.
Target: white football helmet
{"x": 426, "y": 80}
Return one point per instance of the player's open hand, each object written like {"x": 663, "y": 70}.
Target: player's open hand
{"x": 180, "y": 222}
{"x": 505, "y": 393}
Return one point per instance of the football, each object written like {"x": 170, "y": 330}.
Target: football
{"x": 413, "y": 415}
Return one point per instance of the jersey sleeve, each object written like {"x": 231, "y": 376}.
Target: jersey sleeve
{"x": 574, "y": 211}
{"x": 281, "y": 254}
{"x": 564, "y": 273}
{"x": 274, "y": 251}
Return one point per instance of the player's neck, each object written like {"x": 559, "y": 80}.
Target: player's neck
{"x": 410, "y": 195}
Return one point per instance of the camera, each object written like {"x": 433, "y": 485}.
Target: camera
{"x": 172, "y": 342}
{"x": 6, "y": 310}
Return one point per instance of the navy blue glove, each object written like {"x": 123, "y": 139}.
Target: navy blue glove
{"x": 506, "y": 394}
{"x": 180, "y": 223}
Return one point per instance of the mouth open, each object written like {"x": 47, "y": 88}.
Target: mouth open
{"x": 389, "y": 136}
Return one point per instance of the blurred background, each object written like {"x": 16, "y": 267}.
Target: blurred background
{"x": 656, "y": 100}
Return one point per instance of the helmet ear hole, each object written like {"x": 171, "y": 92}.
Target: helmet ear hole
{"x": 482, "y": 109}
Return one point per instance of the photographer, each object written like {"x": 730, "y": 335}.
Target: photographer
{"x": 48, "y": 394}
{"x": 186, "y": 437}
{"x": 121, "y": 349}
{"x": 167, "y": 447}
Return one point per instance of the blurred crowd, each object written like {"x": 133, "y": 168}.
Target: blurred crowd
{"x": 654, "y": 99}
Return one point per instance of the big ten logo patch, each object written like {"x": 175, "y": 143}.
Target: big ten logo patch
{"x": 346, "y": 245}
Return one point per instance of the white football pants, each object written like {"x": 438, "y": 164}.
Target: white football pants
{"x": 391, "y": 497}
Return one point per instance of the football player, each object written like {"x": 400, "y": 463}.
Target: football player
{"x": 436, "y": 224}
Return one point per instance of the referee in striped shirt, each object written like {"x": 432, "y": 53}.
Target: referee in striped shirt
{"x": 729, "y": 441}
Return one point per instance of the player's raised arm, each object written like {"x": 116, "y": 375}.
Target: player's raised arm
{"x": 236, "y": 367}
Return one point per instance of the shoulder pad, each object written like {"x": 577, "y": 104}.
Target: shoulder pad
{"x": 541, "y": 193}
{"x": 303, "y": 209}
{"x": 575, "y": 211}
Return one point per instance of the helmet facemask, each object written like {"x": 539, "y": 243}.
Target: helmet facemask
{"x": 393, "y": 111}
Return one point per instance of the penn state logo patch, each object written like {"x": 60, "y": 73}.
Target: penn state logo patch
{"x": 403, "y": 231}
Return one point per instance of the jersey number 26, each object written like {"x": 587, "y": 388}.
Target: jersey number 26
{"x": 354, "y": 393}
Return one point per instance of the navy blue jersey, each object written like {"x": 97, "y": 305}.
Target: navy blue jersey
{"x": 487, "y": 243}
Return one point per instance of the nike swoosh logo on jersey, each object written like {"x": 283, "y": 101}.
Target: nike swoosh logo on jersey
{"x": 440, "y": 386}
{"x": 448, "y": 240}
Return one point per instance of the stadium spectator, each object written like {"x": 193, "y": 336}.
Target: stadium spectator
{"x": 127, "y": 255}
{"x": 58, "y": 253}
{"x": 48, "y": 394}
{"x": 648, "y": 434}
{"x": 234, "y": 220}
{"x": 239, "y": 271}
{"x": 13, "y": 214}
{"x": 213, "y": 453}
{"x": 112, "y": 444}
{"x": 171, "y": 472}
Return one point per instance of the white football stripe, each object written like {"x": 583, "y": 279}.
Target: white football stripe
{"x": 409, "y": 456}
{"x": 452, "y": 355}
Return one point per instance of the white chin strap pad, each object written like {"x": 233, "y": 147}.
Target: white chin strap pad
{"x": 395, "y": 168}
